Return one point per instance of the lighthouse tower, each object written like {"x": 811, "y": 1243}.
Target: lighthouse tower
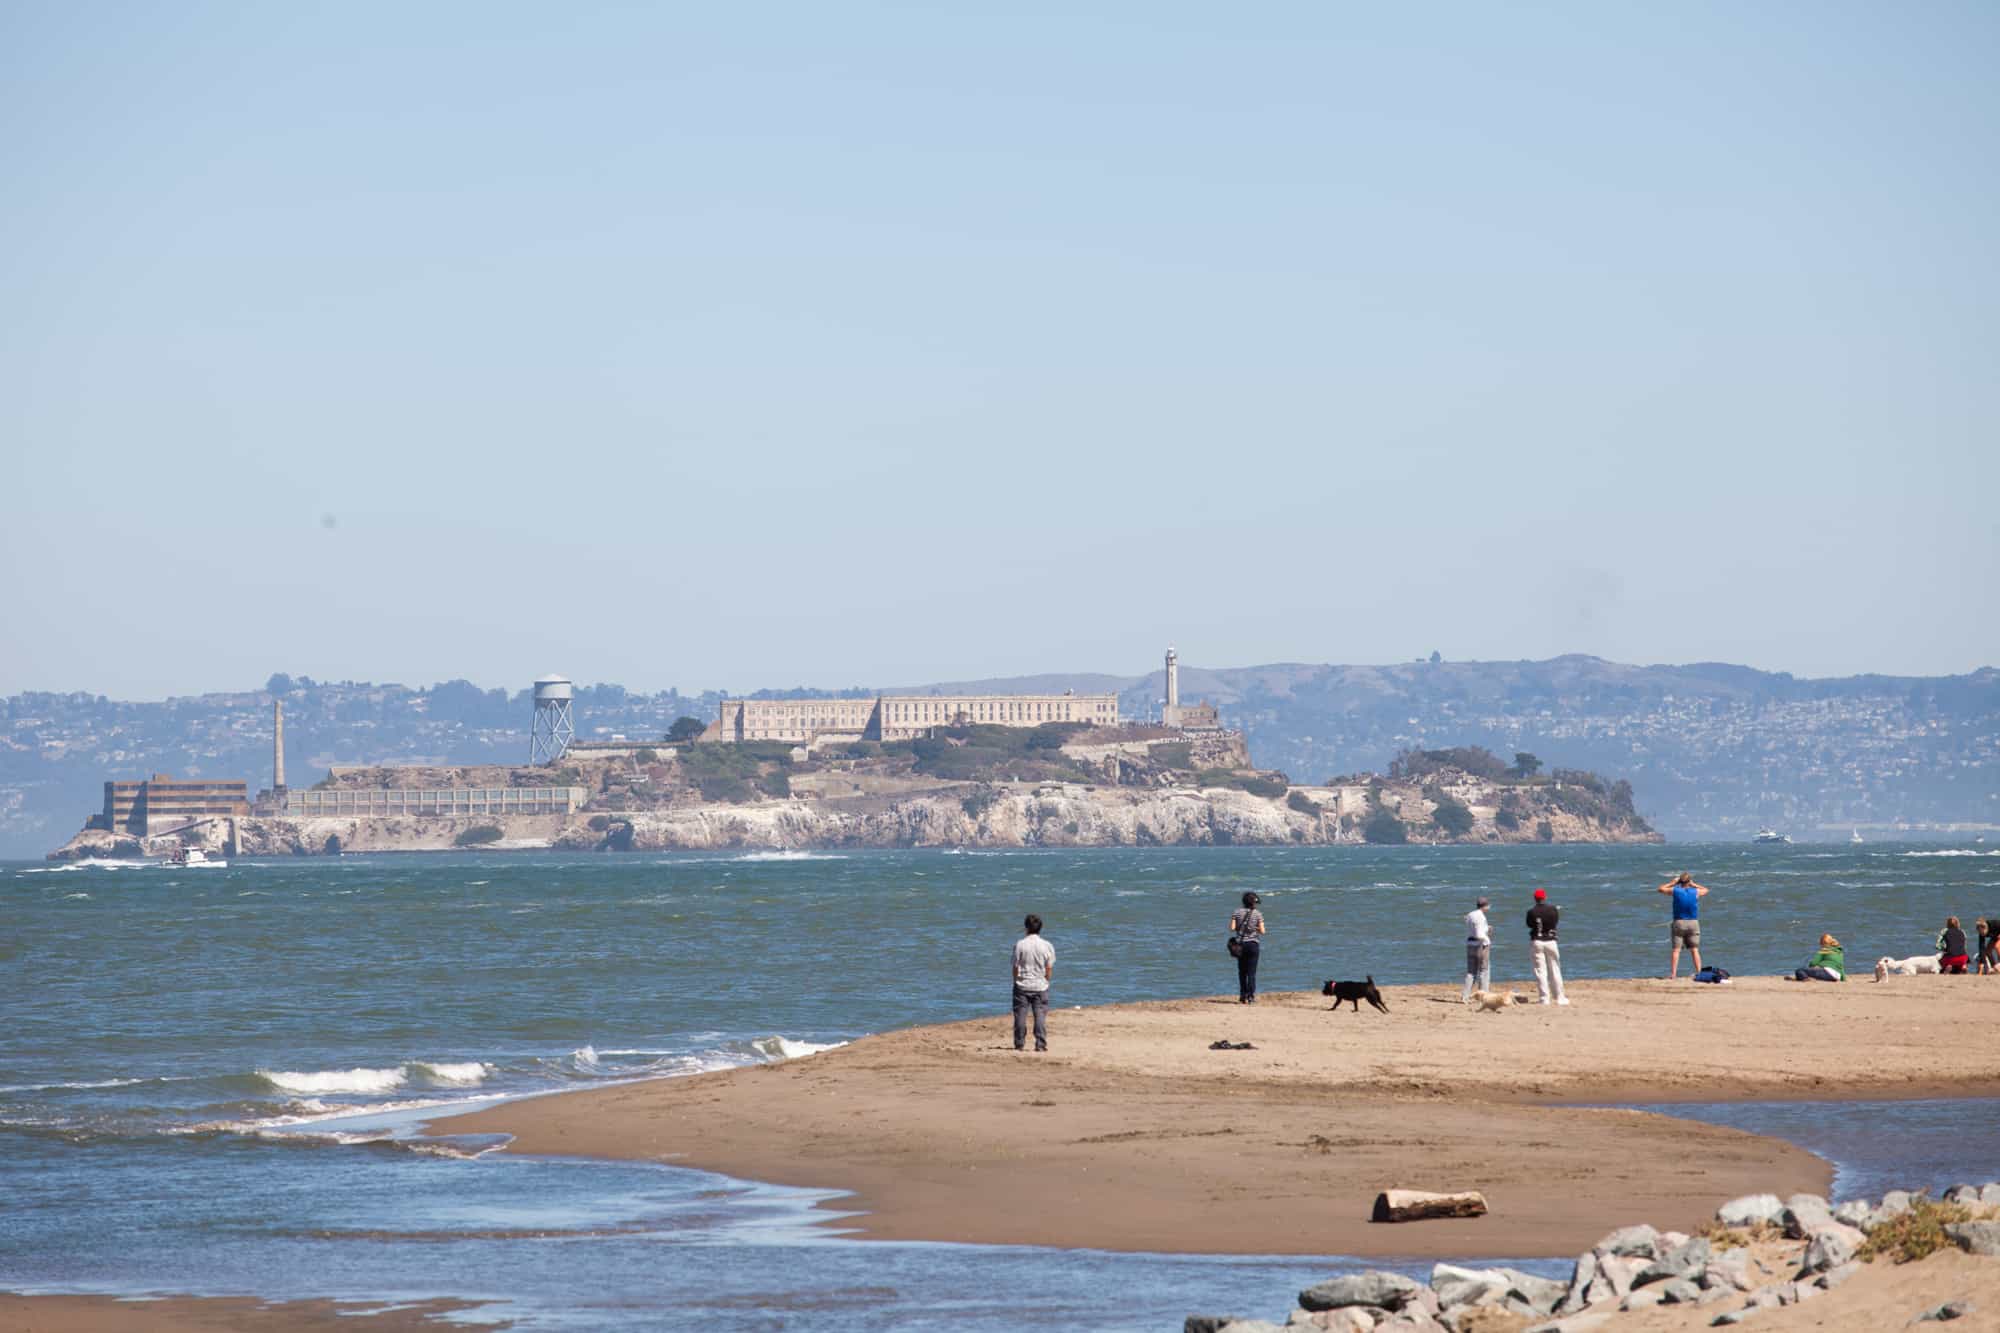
{"x": 1170, "y": 714}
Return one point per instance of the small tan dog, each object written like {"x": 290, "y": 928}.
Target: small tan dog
{"x": 1493, "y": 1003}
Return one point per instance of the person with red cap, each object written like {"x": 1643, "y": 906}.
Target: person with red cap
{"x": 1542, "y": 945}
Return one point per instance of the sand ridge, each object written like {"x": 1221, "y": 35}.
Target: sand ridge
{"x": 1131, "y": 1134}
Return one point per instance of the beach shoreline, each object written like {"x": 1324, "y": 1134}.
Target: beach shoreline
{"x": 1131, "y": 1134}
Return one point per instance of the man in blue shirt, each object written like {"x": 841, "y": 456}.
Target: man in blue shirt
{"x": 1686, "y": 928}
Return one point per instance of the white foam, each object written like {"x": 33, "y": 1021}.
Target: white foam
{"x": 335, "y": 1080}
{"x": 784, "y": 1048}
{"x": 1955, "y": 851}
{"x": 463, "y": 1074}
{"x": 53, "y": 1087}
{"x": 67, "y": 896}
{"x": 584, "y": 1057}
{"x": 789, "y": 856}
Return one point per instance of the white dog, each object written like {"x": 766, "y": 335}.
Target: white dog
{"x": 1906, "y": 967}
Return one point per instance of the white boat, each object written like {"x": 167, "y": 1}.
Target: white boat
{"x": 1856, "y": 837}
{"x": 193, "y": 858}
{"x": 1765, "y": 835}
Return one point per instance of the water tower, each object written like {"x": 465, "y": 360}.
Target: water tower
{"x": 554, "y": 727}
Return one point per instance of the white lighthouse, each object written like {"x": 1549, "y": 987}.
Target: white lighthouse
{"x": 1170, "y": 714}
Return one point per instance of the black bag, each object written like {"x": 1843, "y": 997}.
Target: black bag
{"x": 1235, "y": 947}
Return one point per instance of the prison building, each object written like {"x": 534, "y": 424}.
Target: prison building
{"x": 894, "y": 717}
{"x": 163, "y": 801}
{"x": 440, "y": 802}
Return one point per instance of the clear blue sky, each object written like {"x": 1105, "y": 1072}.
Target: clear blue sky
{"x": 734, "y": 346}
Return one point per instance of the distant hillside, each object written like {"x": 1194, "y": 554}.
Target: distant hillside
{"x": 1711, "y": 750}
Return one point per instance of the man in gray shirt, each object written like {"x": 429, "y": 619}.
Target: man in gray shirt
{"x": 1034, "y": 966}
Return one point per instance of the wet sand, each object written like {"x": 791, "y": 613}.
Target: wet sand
{"x": 1131, "y": 1134}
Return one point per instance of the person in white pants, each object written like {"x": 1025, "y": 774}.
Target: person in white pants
{"x": 1542, "y": 918}
{"x": 1478, "y": 951}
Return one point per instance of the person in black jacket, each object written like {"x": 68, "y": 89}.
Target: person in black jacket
{"x": 1547, "y": 954}
{"x": 1951, "y": 947}
{"x": 1989, "y": 944}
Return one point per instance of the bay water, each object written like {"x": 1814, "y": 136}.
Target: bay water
{"x": 212, "y": 1080}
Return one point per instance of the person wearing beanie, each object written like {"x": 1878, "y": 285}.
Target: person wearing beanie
{"x": 1547, "y": 954}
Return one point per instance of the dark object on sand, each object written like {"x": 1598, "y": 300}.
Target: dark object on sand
{"x": 1230, "y": 1046}
{"x": 1354, "y": 992}
{"x": 1417, "y": 1206}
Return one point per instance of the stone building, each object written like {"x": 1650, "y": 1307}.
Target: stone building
{"x": 163, "y": 801}
{"x": 895, "y": 717}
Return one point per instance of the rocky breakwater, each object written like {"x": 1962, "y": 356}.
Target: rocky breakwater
{"x": 1869, "y": 1263}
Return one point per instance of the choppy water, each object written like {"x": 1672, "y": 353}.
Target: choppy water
{"x": 208, "y": 1078}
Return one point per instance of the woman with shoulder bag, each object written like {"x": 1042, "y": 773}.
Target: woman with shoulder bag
{"x": 1246, "y": 923}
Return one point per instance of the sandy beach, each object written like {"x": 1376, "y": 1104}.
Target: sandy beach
{"x": 1132, "y": 1134}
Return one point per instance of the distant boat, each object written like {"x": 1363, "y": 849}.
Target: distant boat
{"x": 194, "y": 858}
{"x": 1769, "y": 835}
{"x": 1856, "y": 837}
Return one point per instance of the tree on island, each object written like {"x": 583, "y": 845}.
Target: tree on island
{"x": 684, "y": 729}
{"x": 1525, "y": 765}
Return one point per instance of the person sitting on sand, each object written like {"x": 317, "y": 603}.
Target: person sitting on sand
{"x": 1989, "y": 945}
{"x": 1829, "y": 964}
{"x": 1951, "y": 948}
{"x": 1246, "y": 924}
{"x": 1686, "y": 927}
{"x": 1034, "y": 968}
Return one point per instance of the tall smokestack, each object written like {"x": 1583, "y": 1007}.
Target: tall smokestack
{"x": 278, "y": 744}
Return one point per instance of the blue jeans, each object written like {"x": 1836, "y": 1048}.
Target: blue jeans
{"x": 1037, "y": 1002}
{"x": 1246, "y": 971}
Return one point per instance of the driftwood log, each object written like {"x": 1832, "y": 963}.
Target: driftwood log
{"x": 1418, "y": 1206}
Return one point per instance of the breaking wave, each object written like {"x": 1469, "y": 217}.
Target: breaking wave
{"x": 364, "y": 1081}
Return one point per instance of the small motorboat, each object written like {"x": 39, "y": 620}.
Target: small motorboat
{"x": 193, "y": 858}
{"x": 1765, "y": 835}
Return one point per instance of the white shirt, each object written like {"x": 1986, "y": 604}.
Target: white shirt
{"x": 1476, "y": 929}
{"x": 1033, "y": 957}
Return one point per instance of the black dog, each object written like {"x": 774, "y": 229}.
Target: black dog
{"x": 1354, "y": 992}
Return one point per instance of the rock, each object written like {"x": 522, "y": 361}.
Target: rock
{"x": 1751, "y": 1209}
{"x": 1686, "y": 1260}
{"x": 1539, "y": 1294}
{"x": 1614, "y": 1274}
{"x": 1677, "y": 1291}
{"x": 1410, "y": 1320}
{"x": 1830, "y": 1247}
{"x": 1636, "y": 1242}
{"x": 1209, "y": 1323}
{"x": 1990, "y": 1195}
{"x": 1734, "y": 1316}
{"x": 1833, "y": 1277}
{"x": 1391, "y": 1291}
{"x": 1710, "y": 1295}
{"x": 1975, "y": 1237}
{"x": 1894, "y": 1203}
{"x": 1805, "y": 1214}
{"x": 1945, "y": 1313}
{"x": 1576, "y": 1323}
{"x": 1856, "y": 1213}
{"x": 1962, "y": 1194}
{"x": 1457, "y": 1286}
{"x": 1419, "y": 1206}
{"x": 1642, "y": 1298}
{"x": 1580, "y": 1278}
{"x": 1347, "y": 1319}
{"x": 1251, "y": 1326}
{"x": 1729, "y": 1270}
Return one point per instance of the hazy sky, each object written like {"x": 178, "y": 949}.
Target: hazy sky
{"x": 737, "y": 346}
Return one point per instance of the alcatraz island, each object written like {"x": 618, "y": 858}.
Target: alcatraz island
{"x": 891, "y": 770}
